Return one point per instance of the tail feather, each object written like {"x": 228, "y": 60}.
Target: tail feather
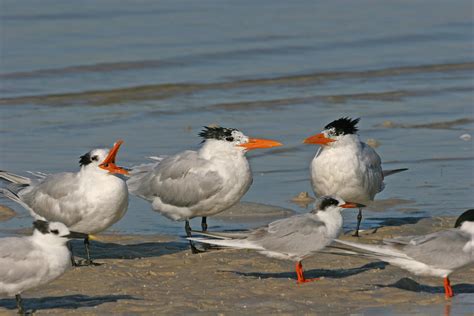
{"x": 387, "y": 173}
{"x": 233, "y": 243}
{"x": 15, "y": 198}
{"x": 379, "y": 251}
{"x": 14, "y": 178}
{"x": 221, "y": 235}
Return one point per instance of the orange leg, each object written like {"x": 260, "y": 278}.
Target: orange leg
{"x": 448, "y": 290}
{"x": 300, "y": 274}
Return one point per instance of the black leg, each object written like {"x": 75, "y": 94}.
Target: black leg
{"x": 19, "y": 304}
{"x": 204, "y": 224}
{"x": 187, "y": 228}
{"x": 73, "y": 262}
{"x": 88, "y": 253}
{"x": 359, "y": 219}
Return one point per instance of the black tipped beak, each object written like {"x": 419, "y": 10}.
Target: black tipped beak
{"x": 76, "y": 235}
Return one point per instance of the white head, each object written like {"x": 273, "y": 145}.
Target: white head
{"x": 336, "y": 133}
{"x": 465, "y": 221}
{"x": 232, "y": 139}
{"x": 102, "y": 160}
{"x": 53, "y": 233}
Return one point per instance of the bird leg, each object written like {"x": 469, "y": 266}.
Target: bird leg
{"x": 73, "y": 262}
{"x": 359, "y": 219}
{"x": 19, "y": 304}
{"x": 89, "y": 261}
{"x": 204, "y": 224}
{"x": 300, "y": 274}
{"x": 187, "y": 228}
{"x": 448, "y": 290}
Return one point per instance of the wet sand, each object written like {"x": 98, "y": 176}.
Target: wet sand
{"x": 144, "y": 274}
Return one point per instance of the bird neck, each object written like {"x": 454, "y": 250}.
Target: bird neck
{"x": 468, "y": 227}
{"x": 47, "y": 241}
{"x": 332, "y": 219}
{"x": 346, "y": 141}
{"x": 215, "y": 149}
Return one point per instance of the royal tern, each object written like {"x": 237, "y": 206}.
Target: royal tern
{"x": 88, "y": 201}
{"x": 345, "y": 166}
{"x": 28, "y": 262}
{"x": 437, "y": 254}
{"x": 294, "y": 238}
{"x": 199, "y": 183}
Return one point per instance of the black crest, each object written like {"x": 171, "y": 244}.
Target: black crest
{"x": 218, "y": 132}
{"x": 42, "y": 226}
{"x": 344, "y": 126}
{"x": 327, "y": 201}
{"x": 466, "y": 216}
{"x": 85, "y": 159}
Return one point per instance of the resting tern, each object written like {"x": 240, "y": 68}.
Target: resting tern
{"x": 28, "y": 262}
{"x": 88, "y": 201}
{"x": 199, "y": 183}
{"x": 436, "y": 254}
{"x": 294, "y": 238}
{"x": 345, "y": 166}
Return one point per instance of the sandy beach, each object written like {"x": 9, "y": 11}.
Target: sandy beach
{"x": 158, "y": 274}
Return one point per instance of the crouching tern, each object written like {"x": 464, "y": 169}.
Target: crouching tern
{"x": 345, "y": 166}
{"x": 199, "y": 183}
{"x": 28, "y": 262}
{"x": 294, "y": 238}
{"x": 437, "y": 254}
{"x": 88, "y": 201}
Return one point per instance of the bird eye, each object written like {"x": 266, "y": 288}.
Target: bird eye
{"x": 229, "y": 139}
{"x": 55, "y": 231}
{"x": 95, "y": 158}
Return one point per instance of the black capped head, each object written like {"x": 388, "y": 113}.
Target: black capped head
{"x": 342, "y": 126}
{"x": 219, "y": 133}
{"x": 466, "y": 216}
{"x": 41, "y": 226}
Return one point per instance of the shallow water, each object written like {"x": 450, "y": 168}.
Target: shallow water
{"x": 78, "y": 75}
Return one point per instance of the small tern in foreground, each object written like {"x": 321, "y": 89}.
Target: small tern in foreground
{"x": 28, "y": 262}
{"x": 294, "y": 238}
{"x": 437, "y": 254}
{"x": 199, "y": 183}
{"x": 88, "y": 201}
{"x": 345, "y": 166}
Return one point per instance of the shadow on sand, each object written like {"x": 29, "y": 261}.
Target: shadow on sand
{"x": 101, "y": 250}
{"x": 411, "y": 285}
{"x": 315, "y": 273}
{"x": 65, "y": 302}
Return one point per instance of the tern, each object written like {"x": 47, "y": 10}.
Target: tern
{"x": 88, "y": 201}
{"x": 437, "y": 254}
{"x": 345, "y": 166}
{"x": 294, "y": 238}
{"x": 31, "y": 261}
{"x": 199, "y": 183}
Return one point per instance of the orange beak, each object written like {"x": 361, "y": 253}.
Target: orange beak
{"x": 255, "y": 143}
{"x": 352, "y": 205}
{"x": 109, "y": 161}
{"x": 318, "y": 139}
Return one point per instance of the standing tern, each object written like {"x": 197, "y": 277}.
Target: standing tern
{"x": 294, "y": 238}
{"x": 345, "y": 166}
{"x": 88, "y": 201}
{"x": 199, "y": 183}
{"x": 28, "y": 262}
{"x": 437, "y": 254}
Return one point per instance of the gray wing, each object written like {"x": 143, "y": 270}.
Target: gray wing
{"x": 445, "y": 249}
{"x": 54, "y": 196}
{"x": 18, "y": 260}
{"x": 182, "y": 180}
{"x": 300, "y": 234}
{"x": 372, "y": 161}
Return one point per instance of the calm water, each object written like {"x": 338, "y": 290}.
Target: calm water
{"x": 78, "y": 75}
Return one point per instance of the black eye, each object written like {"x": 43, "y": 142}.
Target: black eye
{"x": 55, "y": 231}
{"x": 229, "y": 139}
{"x": 95, "y": 158}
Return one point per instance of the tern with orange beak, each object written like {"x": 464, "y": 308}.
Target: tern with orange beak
{"x": 88, "y": 201}
{"x": 199, "y": 183}
{"x": 345, "y": 166}
{"x": 294, "y": 238}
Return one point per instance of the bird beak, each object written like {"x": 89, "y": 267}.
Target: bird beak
{"x": 109, "y": 161}
{"x": 76, "y": 235}
{"x": 318, "y": 139}
{"x": 255, "y": 143}
{"x": 352, "y": 205}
